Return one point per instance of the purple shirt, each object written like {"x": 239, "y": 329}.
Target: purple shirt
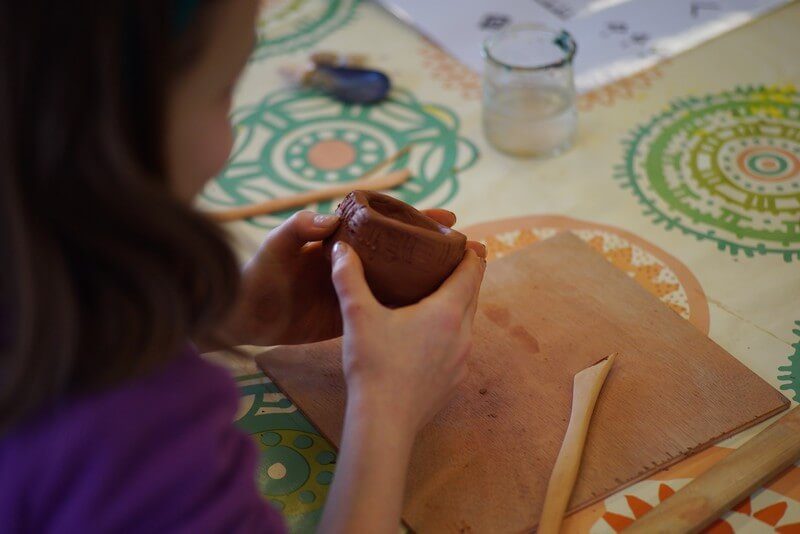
{"x": 158, "y": 453}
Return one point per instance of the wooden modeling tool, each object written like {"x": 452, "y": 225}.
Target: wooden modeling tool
{"x": 366, "y": 182}
{"x": 384, "y": 163}
{"x": 728, "y": 482}
{"x": 585, "y": 390}
{"x": 377, "y": 183}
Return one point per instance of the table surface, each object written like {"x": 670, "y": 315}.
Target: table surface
{"x": 686, "y": 176}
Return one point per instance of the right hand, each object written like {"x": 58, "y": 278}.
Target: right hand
{"x": 406, "y": 363}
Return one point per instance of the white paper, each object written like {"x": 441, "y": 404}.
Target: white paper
{"x": 616, "y": 38}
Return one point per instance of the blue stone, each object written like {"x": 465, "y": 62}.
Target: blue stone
{"x": 351, "y": 85}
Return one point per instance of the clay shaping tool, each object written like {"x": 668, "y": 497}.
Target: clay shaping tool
{"x": 364, "y": 182}
{"x": 585, "y": 390}
{"x": 728, "y": 482}
{"x": 376, "y": 183}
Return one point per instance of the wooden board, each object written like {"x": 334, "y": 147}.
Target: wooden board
{"x": 546, "y": 312}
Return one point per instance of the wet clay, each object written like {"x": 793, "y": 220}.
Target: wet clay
{"x": 406, "y": 254}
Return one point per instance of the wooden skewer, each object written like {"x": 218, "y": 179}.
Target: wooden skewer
{"x": 383, "y": 163}
{"x": 728, "y": 482}
{"x": 377, "y": 183}
{"x": 585, "y": 390}
{"x": 364, "y": 182}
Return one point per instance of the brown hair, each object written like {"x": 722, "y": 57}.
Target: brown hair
{"x": 105, "y": 273}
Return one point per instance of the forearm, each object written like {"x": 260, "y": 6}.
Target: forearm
{"x": 367, "y": 491}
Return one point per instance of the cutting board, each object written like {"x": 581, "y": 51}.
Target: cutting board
{"x": 545, "y": 313}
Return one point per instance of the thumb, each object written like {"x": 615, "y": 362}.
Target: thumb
{"x": 354, "y": 294}
{"x": 299, "y": 229}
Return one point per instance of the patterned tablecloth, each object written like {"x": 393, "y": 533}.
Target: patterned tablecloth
{"x": 687, "y": 177}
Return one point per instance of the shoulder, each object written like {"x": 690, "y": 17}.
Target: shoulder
{"x": 157, "y": 453}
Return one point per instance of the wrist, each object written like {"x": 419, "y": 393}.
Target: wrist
{"x": 375, "y": 414}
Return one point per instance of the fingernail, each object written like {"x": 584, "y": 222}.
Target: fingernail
{"x": 455, "y": 219}
{"x": 482, "y": 253}
{"x": 339, "y": 251}
{"x": 324, "y": 221}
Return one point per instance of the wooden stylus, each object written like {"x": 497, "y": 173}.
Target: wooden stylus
{"x": 377, "y": 183}
{"x": 364, "y": 182}
{"x": 585, "y": 390}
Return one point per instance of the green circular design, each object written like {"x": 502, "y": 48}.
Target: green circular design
{"x": 293, "y": 475}
{"x": 694, "y": 167}
{"x": 307, "y": 496}
{"x": 325, "y": 458}
{"x": 752, "y": 164}
{"x": 303, "y": 442}
{"x": 270, "y": 439}
{"x": 367, "y": 148}
{"x": 285, "y": 26}
{"x": 275, "y": 137}
{"x": 791, "y": 372}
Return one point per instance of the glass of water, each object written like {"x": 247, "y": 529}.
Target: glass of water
{"x": 528, "y": 91}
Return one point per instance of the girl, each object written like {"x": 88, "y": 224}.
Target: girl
{"x": 113, "y": 115}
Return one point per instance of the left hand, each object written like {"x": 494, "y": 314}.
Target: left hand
{"x": 286, "y": 294}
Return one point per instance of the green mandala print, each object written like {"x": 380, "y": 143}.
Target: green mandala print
{"x": 296, "y": 464}
{"x": 724, "y": 168}
{"x": 295, "y": 141}
{"x": 288, "y": 25}
{"x": 791, "y": 378}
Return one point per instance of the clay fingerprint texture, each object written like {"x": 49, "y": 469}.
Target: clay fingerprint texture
{"x": 286, "y": 26}
{"x": 405, "y": 254}
{"x": 724, "y": 168}
{"x": 296, "y": 464}
{"x": 295, "y": 141}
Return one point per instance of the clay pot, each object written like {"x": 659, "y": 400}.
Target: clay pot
{"x": 406, "y": 254}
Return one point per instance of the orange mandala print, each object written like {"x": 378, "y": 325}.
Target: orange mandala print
{"x": 772, "y": 509}
{"x": 455, "y": 76}
{"x": 624, "y": 89}
{"x": 452, "y": 74}
{"x": 658, "y": 272}
{"x": 766, "y": 511}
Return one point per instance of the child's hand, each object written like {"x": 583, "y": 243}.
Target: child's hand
{"x": 286, "y": 295}
{"x": 403, "y": 365}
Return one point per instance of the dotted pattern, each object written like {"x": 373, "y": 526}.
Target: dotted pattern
{"x": 296, "y": 464}
{"x": 295, "y": 141}
{"x": 295, "y": 470}
{"x": 723, "y": 168}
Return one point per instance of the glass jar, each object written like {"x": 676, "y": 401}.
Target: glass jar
{"x": 529, "y": 91}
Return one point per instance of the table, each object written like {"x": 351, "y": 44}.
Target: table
{"x": 686, "y": 176}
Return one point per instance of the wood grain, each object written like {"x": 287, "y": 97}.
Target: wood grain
{"x": 546, "y": 313}
{"x": 724, "y": 485}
